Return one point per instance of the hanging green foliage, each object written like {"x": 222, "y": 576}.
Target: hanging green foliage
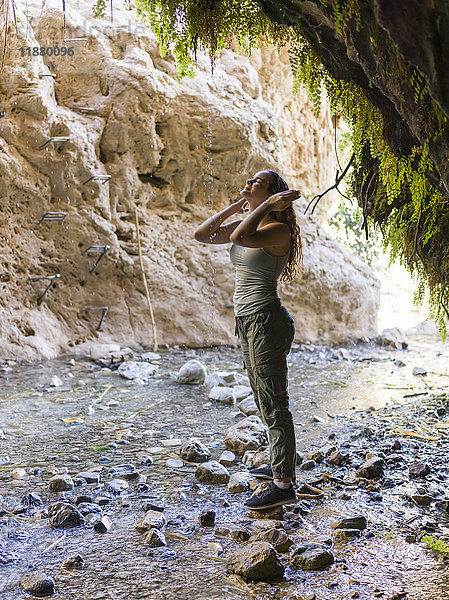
{"x": 393, "y": 177}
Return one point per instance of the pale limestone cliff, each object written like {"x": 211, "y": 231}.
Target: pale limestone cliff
{"x": 174, "y": 152}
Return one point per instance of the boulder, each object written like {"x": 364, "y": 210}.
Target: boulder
{"x": 223, "y": 395}
{"x": 358, "y": 522}
{"x": 193, "y": 450}
{"x": 212, "y": 472}
{"x": 311, "y": 557}
{"x": 60, "y": 483}
{"x": 193, "y": 372}
{"x": 153, "y": 519}
{"x": 248, "y": 406}
{"x": 372, "y": 468}
{"x": 155, "y": 538}
{"x": 241, "y": 392}
{"x": 257, "y": 561}
{"x": 247, "y": 434}
{"x": 64, "y": 515}
{"x": 223, "y": 378}
{"x": 131, "y": 369}
{"x": 393, "y": 337}
{"x": 227, "y": 458}
{"x": 239, "y": 482}
{"x": 38, "y": 584}
{"x": 276, "y": 537}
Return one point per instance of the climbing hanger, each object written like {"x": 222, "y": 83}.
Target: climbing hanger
{"x": 102, "y": 178}
{"x": 84, "y": 109}
{"x": 101, "y": 250}
{"x": 53, "y": 216}
{"x": 55, "y": 139}
{"x": 52, "y": 280}
{"x": 104, "y": 312}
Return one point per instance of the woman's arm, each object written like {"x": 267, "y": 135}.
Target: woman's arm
{"x": 249, "y": 234}
{"x": 213, "y": 232}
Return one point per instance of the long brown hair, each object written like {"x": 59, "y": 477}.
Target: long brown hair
{"x": 288, "y": 216}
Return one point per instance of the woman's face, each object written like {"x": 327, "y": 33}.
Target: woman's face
{"x": 256, "y": 189}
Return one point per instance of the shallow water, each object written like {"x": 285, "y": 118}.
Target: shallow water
{"x": 70, "y": 427}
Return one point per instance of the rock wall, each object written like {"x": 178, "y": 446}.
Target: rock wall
{"x": 174, "y": 153}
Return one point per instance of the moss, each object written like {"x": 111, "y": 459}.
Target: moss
{"x": 394, "y": 178}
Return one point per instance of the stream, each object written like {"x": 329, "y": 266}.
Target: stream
{"x": 97, "y": 420}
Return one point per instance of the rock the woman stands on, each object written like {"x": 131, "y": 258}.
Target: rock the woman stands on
{"x": 266, "y": 247}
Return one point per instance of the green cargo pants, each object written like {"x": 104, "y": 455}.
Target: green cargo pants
{"x": 266, "y": 338}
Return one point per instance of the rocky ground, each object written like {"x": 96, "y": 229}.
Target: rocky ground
{"x": 172, "y": 515}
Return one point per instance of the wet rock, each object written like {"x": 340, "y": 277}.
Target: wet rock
{"x": 227, "y": 458}
{"x": 155, "y": 538}
{"x": 337, "y": 458}
{"x": 223, "y": 378}
{"x": 212, "y": 472}
{"x": 358, "y": 522}
{"x": 32, "y": 499}
{"x": 153, "y": 519}
{"x": 307, "y": 465}
{"x": 372, "y": 468}
{"x": 261, "y": 457}
{"x": 175, "y": 463}
{"x": 18, "y": 473}
{"x": 56, "y": 381}
{"x": 240, "y": 534}
{"x": 315, "y": 455}
{"x": 239, "y": 482}
{"x": 127, "y": 472}
{"x": 394, "y": 337}
{"x": 8, "y": 557}
{"x": 193, "y": 450}
{"x": 97, "y": 351}
{"x": 146, "y": 506}
{"x": 345, "y": 535}
{"x": 311, "y": 557}
{"x": 247, "y": 434}
{"x": 419, "y": 371}
{"x": 344, "y": 495}
{"x": 145, "y": 459}
{"x": 248, "y": 406}
{"x": 417, "y": 470}
{"x": 64, "y": 515}
{"x": 340, "y": 354}
{"x": 89, "y": 477}
{"x": 247, "y": 458}
{"x": 116, "y": 486}
{"x": 422, "y": 499}
{"x": 223, "y": 395}
{"x": 102, "y": 500}
{"x": 192, "y": 372}
{"x": 241, "y": 392}
{"x": 103, "y": 525}
{"x": 137, "y": 370}
{"x": 276, "y": 537}
{"x": 60, "y": 483}
{"x": 394, "y": 459}
{"x": 87, "y": 508}
{"x": 73, "y": 562}
{"x": 257, "y": 561}
{"x": 207, "y": 518}
{"x": 150, "y": 356}
{"x": 276, "y": 513}
{"x": 38, "y": 584}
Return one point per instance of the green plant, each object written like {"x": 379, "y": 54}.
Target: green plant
{"x": 436, "y": 545}
{"x": 393, "y": 176}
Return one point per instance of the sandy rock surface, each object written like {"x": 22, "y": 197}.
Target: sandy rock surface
{"x": 173, "y": 152}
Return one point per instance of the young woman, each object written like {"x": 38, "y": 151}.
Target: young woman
{"x": 266, "y": 246}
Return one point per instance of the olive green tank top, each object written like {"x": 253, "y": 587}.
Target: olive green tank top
{"x": 256, "y": 278}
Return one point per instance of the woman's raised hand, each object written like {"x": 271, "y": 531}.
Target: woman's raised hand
{"x": 282, "y": 200}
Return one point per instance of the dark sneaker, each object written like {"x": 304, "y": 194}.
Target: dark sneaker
{"x": 262, "y": 472}
{"x": 271, "y": 496}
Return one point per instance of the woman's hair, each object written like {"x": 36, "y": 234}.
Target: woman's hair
{"x": 288, "y": 216}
